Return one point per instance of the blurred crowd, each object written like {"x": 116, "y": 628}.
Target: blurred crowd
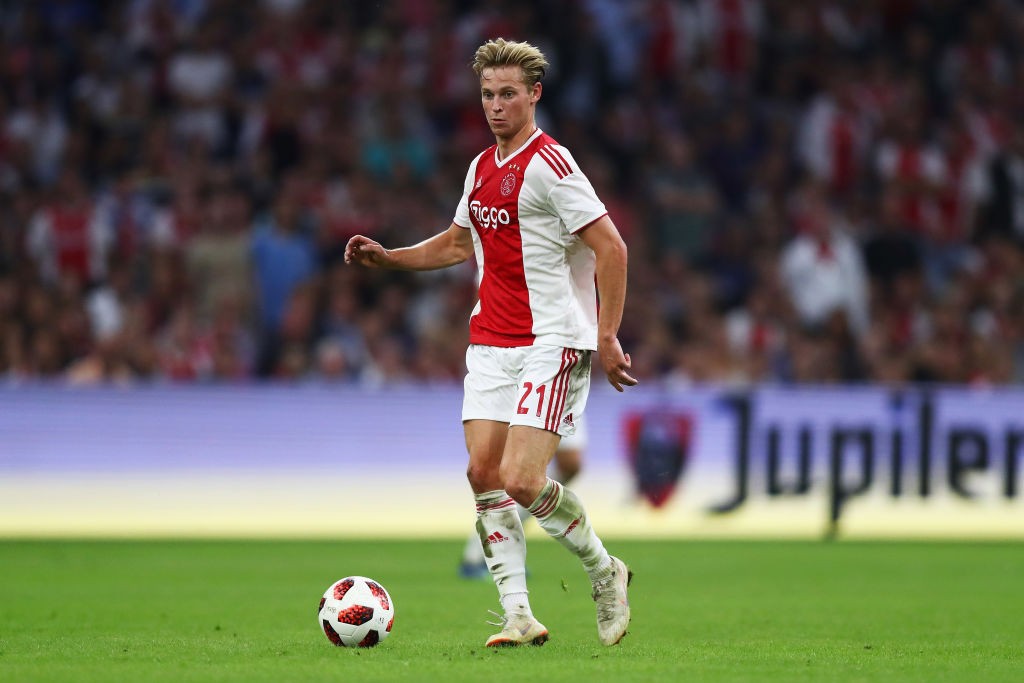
{"x": 824, "y": 191}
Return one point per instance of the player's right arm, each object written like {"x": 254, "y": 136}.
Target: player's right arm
{"x": 444, "y": 249}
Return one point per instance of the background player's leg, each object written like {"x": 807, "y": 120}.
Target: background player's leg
{"x": 569, "y": 456}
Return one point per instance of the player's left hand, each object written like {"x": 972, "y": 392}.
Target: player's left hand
{"x": 616, "y": 364}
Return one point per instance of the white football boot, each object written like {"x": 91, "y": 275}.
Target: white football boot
{"x": 517, "y": 629}
{"x": 613, "y": 603}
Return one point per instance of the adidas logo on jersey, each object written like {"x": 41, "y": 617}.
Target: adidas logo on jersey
{"x": 567, "y": 420}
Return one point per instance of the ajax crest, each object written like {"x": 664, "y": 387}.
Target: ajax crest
{"x": 508, "y": 183}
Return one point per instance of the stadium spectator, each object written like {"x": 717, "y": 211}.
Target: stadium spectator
{"x": 1001, "y": 191}
{"x": 685, "y": 203}
{"x": 216, "y": 258}
{"x": 167, "y": 116}
{"x": 67, "y": 236}
{"x": 284, "y": 259}
{"x": 822, "y": 267}
{"x": 835, "y": 134}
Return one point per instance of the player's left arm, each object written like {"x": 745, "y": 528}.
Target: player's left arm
{"x": 604, "y": 239}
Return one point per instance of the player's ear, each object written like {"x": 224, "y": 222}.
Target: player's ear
{"x": 535, "y": 94}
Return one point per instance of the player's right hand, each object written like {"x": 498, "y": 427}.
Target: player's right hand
{"x": 365, "y": 252}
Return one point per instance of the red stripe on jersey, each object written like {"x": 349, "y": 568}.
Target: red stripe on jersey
{"x": 554, "y": 167}
{"x": 553, "y": 151}
{"x": 557, "y": 163}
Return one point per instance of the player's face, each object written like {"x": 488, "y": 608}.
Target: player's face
{"x": 508, "y": 101}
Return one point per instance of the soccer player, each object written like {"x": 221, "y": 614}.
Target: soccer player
{"x": 546, "y": 249}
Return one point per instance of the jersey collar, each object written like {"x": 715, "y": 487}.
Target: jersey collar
{"x": 499, "y": 163}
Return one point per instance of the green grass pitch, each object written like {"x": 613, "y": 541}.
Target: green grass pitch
{"x": 702, "y": 611}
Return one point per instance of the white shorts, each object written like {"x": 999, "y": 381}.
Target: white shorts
{"x": 538, "y": 386}
{"x": 577, "y": 441}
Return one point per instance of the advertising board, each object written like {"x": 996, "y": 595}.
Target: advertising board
{"x": 674, "y": 462}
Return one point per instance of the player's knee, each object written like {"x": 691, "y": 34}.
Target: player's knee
{"x": 482, "y": 478}
{"x": 523, "y": 487}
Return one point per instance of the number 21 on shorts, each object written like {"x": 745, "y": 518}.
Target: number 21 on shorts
{"x": 527, "y": 390}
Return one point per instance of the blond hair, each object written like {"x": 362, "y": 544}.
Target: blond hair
{"x": 501, "y": 52}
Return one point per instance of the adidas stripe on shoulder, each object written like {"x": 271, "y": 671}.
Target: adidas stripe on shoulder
{"x": 556, "y": 160}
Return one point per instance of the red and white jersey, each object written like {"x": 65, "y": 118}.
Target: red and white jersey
{"x": 69, "y": 240}
{"x": 917, "y": 171}
{"x": 833, "y": 143}
{"x": 536, "y": 277}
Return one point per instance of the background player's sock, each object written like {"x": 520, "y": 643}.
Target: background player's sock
{"x": 473, "y": 553}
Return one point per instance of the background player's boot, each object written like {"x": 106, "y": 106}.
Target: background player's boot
{"x": 474, "y": 570}
{"x": 613, "y": 603}
{"x": 518, "y": 629}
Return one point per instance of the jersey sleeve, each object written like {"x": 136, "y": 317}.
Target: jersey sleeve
{"x": 462, "y": 218}
{"x": 572, "y": 197}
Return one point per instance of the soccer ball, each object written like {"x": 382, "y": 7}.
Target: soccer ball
{"x": 356, "y": 612}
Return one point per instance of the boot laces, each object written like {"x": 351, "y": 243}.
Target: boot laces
{"x": 604, "y": 596}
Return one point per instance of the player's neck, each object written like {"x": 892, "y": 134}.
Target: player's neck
{"x": 507, "y": 146}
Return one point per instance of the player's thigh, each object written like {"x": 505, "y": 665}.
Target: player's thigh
{"x": 485, "y": 442}
{"x": 528, "y": 450}
{"x": 490, "y": 390}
